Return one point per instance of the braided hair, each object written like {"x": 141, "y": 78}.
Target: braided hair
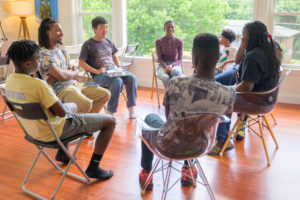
{"x": 45, "y": 26}
{"x": 259, "y": 37}
{"x": 22, "y": 51}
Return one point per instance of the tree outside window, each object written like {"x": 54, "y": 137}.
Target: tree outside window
{"x": 145, "y": 19}
{"x": 287, "y": 29}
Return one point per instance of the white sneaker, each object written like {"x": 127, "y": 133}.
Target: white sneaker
{"x": 132, "y": 114}
{"x": 110, "y": 113}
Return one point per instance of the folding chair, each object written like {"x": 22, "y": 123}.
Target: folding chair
{"x": 259, "y": 104}
{"x": 34, "y": 111}
{"x": 4, "y": 69}
{"x": 154, "y": 77}
{"x": 73, "y": 51}
{"x": 188, "y": 138}
{"x": 127, "y": 59}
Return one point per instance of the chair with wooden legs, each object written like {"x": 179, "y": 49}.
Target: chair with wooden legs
{"x": 34, "y": 111}
{"x": 259, "y": 104}
{"x": 154, "y": 78}
{"x": 190, "y": 137}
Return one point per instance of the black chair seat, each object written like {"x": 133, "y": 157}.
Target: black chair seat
{"x": 54, "y": 144}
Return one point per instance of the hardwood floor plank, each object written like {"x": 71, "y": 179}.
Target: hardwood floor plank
{"x": 240, "y": 174}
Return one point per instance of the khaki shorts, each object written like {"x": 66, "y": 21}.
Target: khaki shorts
{"x": 86, "y": 97}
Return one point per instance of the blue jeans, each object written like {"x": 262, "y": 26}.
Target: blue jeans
{"x": 115, "y": 86}
{"x": 162, "y": 75}
{"x": 227, "y": 78}
{"x": 154, "y": 121}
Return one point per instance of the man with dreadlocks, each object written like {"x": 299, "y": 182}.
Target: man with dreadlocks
{"x": 58, "y": 72}
{"x": 259, "y": 69}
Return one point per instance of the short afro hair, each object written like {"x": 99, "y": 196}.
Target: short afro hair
{"x": 22, "y": 51}
{"x": 206, "y": 48}
{"x": 229, "y": 35}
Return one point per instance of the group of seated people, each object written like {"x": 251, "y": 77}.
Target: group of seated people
{"x": 73, "y": 107}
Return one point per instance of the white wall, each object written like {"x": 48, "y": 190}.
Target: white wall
{"x": 143, "y": 69}
{"x": 290, "y": 89}
{"x": 11, "y": 24}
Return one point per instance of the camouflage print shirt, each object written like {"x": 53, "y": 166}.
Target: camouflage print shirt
{"x": 191, "y": 95}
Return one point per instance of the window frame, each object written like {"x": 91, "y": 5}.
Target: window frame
{"x": 276, "y": 14}
{"x": 86, "y": 13}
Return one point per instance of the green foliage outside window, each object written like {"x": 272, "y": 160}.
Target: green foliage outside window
{"x": 145, "y": 20}
{"x": 96, "y": 5}
{"x": 292, "y": 22}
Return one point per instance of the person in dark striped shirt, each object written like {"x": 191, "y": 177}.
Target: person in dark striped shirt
{"x": 169, "y": 52}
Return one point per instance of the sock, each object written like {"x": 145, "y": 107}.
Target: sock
{"x": 61, "y": 156}
{"x": 186, "y": 163}
{"x": 95, "y": 161}
{"x": 94, "y": 171}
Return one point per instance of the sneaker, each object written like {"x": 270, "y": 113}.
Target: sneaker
{"x": 241, "y": 132}
{"x": 187, "y": 173}
{"x": 143, "y": 177}
{"x": 218, "y": 146}
{"x": 132, "y": 114}
{"x": 110, "y": 113}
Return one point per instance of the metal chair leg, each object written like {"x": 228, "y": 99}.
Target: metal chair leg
{"x": 166, "y": 183}
{"x": 203, "y": 177}
{"x": 150, "y": 175}
{"x": 191, "y": 170}
{"x": 5, "y": 113}
{"x": 123, "y": 93}
{"x": 271, "y": 131}
{"x": 263, "y": 139}
{"x": 65, "y": 172}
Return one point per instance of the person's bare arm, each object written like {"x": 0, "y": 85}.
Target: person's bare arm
{"x": 62, "y": 75}
{"x": 116, "y": 60}
{"x": 88, "y": 68}
{"x": 245, "y": 86}
{"x": 239, "y": 55}
{"x": 221, "y": 67}
{"x": 58, "y": 109}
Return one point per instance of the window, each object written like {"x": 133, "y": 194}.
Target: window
{"x": 145, "y": 19}
{"x": 90, "y": 9}
{"x": 287, "y": 30}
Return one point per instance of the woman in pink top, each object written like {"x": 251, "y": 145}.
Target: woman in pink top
{"x": 169, "y": 52}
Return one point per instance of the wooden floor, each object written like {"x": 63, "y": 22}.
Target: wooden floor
{"x": 240, "y": 174}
